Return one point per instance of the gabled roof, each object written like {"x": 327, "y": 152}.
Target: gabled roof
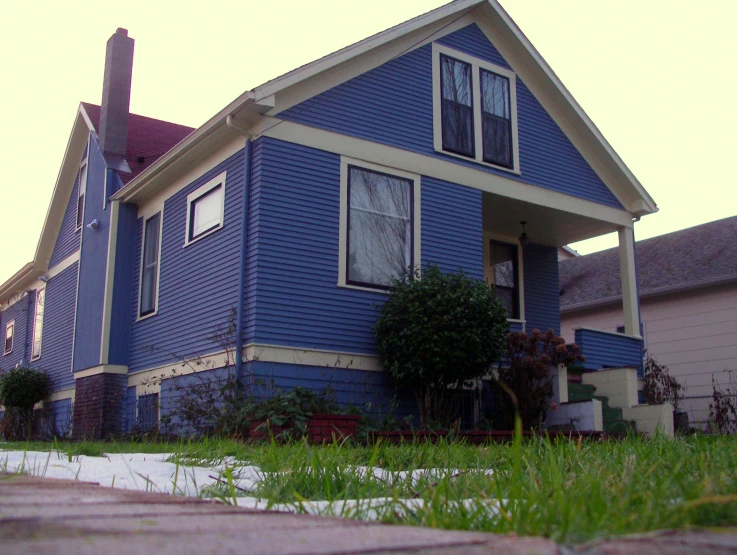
{"x": 695, "y": 257}
{"x": 148, "y": 139}
{"x": 506, "y": 37}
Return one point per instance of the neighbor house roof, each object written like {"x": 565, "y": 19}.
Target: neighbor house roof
{"x": 148, "y": 139}
{"x": 694, "y": 257}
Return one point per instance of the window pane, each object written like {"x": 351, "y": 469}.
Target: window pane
{"x": 496, "y": 118}
{"x": 504, "y": 275}
{"x": 205, "y": 212}
{"x": 38, "y": 323}
{"x": 9, "y": 338}
{"x": 456, "y": 106}
{"x": 150, "y": 265}
{"x": 380, "y": 227}
{"x": 80, "y": 210}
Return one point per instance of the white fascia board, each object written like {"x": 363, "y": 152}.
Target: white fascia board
{"x": 55, "y": 214}
{"x": 555, "y": 98}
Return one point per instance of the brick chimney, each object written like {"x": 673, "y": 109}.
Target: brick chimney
{"x": 116, "y": 94}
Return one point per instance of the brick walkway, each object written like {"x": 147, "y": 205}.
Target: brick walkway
{"x": 39, "y": 515}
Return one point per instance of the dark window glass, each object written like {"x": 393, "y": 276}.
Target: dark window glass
{"x": 456, "y": 106}
{"x": 150, "y": 262}
{"x": 80, "y": 200}
{"x": 80, "y": 211}
{"x": 9, "y": 338}
{"x": 496, "y": 119}
{"x": 379, "y": 227}
{"x": 505, "y": 276}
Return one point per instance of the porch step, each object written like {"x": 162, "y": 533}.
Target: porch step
{"x": 612, "y": 418}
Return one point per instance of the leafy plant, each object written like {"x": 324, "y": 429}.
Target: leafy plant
{"x": 20, "y": 389}
{"x": 525, "y": 377}
{"x": 437, "y": 333}
{"x": 658, "y": 386}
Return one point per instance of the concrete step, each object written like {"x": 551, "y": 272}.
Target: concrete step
{"x": 580, "y": 392}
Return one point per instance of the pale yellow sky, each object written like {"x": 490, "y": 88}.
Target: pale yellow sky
{"x": 656, "y": 76}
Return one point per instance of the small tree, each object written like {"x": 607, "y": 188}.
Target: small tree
{"x": 436, "y": 333}
{"x": 20, "y": 390}
{"x": 525, "y": 378}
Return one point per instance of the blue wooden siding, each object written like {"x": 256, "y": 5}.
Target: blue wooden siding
{"x": 253, "y": 239}
{"x": 58, "y": 328}
{"x": 296, "y": 200}
{"x": 198, "y": 284}
{"x": 542, "y": 295}
{"x": 123, "y": 291}
{"x": 67, "y": 242}
{"x": 19, "y": 313}
{"x": 93, "y": 264}
{"x": 452, "y": 230}
{"x": 515, "y": 326}
{"x": 609, "y": 350}
{"x": 392, "y": 105}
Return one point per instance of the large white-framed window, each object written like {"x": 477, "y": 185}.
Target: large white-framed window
{"x": 205, "y": 209}
{"x": 81, "y": 189}
{"x": 150, "y": 265}
{"x": 38, "y": 323}
{"x": 379, "y": 234}
{"x": 503, "y": 269}
{"x": 474, "y": 109}
{"x": 9, "y": 335}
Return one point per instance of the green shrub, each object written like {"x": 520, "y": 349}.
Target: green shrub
{"x": 20, "y": 390}
{"x": 436, "y": 333}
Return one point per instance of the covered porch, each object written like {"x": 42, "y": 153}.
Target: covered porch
{"x": 524, "y": 268}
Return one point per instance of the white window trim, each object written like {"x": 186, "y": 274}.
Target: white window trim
{"x": 343, "y": 227}
{"x": 476, "y": 64}
{"x": 199, "y": 192}
{"x": 33, "y": 335}
{"x": 491, "y": 236}
{"x": 158, "y": 267}
{"x": 81, "y": 192}
{"x": 9, "y": 325}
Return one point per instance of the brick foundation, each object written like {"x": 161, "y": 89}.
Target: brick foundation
{"x": 99, "y": 406}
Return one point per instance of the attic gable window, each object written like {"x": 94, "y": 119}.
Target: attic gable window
{"x": 81, "y": 188}
{"x": 474, "y": 109}
{"x": 9, "y": 333}
{"x": 379, "y": 224}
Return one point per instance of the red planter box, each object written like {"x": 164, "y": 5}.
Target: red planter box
{"x": 320, "y": 428}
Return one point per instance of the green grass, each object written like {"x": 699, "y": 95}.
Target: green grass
{"x": 566, "y": 490}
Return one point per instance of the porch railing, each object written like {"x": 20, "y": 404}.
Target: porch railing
{"x": 604, "y": 349}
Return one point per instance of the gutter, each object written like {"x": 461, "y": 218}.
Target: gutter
{"x": 659, "y": 291}
{"x": 243, "y": 262}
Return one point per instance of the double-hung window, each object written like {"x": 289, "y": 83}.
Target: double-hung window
{"x": 475, "y": 109}
{"x": 9, "y": 333}
{"x": 150, "y": 265}
{"x": 378, "y": 232}
{"x": 38, "y": 323}
{"x": 205, "y": 209}
{"x": 505, "y": 276}
{"x": 81, "y": 188}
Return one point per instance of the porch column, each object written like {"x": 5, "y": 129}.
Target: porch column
{"x": 630, "y": 297}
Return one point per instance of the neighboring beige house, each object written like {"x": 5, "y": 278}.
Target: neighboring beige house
{"x": 688, "y": 291}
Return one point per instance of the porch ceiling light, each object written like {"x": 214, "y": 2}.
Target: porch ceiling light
{"x": 523, "y": 239}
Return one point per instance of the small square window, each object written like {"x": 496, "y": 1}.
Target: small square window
{"x": 205, "y": 209}
{"x": 9, "y": 333}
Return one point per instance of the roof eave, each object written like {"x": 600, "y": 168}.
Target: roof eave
{"x": 656, "y": 292}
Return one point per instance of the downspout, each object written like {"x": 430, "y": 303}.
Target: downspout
{"x": 243, "y": 263}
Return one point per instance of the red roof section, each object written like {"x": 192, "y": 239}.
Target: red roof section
{"x": 148, "y": 139}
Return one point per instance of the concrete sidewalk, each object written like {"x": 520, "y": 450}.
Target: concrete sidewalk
{"x": 40, "y": 515}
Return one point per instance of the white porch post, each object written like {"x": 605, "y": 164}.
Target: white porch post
{"x": 630, "y": 297}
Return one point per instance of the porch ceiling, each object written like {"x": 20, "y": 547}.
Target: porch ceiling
{"x": 545, "y": 225}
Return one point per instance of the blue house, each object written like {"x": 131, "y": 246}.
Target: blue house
{"x": 438, "y": 141}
